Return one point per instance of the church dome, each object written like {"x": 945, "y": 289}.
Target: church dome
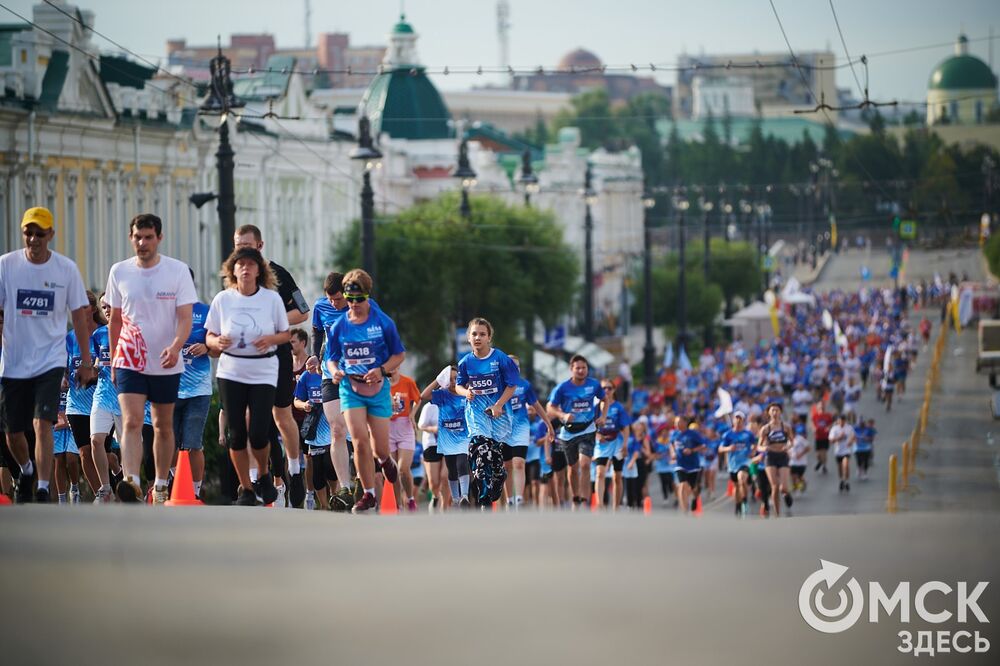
{"x": 962, "y": 71}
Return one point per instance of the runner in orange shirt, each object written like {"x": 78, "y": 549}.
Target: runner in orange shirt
{"x": 402, "y": 440}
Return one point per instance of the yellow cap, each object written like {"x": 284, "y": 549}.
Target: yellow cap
{"x": 37, "y": 215}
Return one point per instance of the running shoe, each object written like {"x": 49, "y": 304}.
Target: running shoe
{"x": 465, "y": 503}
{"x": 246, "y": 498}
{"x": 42, "y": 496}
{"x": 103, "y": 496}
{"x": 265, "y": 489}
{"x": 25, "y": 484}
{"x": 847, "y": 487}
{"x": 390, "y": 471}
{"x": 342, "y": 500}
{"x": 432, "y": 503}
{"x": 296, "y": 490}
{"x": 366, "y": 502}
{"x": 411, "y": 505}
{"x": 128, "y": 492}
{"x": 116, "y": 479}
{"x": 788, "y": 500}
{"x": 160, "y": 495}
{"x": 310, "y": 501}
{"x": 279, "y": 502}
{"x": 841, "y": 488}
{"x": 764, "y": 513}
{"x": 74, "y": 494}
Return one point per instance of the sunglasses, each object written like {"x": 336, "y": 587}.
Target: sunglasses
{"x": 356, "y": 298}
{"x": 34, "y": 234}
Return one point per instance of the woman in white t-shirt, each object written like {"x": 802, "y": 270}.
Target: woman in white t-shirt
{"x": 246, "y": 322}
{"x": 842, "y": 439}
{"x": 428, "y": 424}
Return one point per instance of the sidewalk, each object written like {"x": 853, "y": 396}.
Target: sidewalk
{"x": 806, "y": 274}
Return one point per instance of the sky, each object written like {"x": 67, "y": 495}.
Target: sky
{"x": 463, "y": 32}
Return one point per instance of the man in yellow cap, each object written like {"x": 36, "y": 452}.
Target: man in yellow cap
{"x": 38, "y": 287}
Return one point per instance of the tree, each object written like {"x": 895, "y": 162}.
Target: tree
{"x": 436, "y": 268}
{"x": 591, "y": 113}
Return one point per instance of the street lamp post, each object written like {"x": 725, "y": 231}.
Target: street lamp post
{"x": 528, "y": 178}
{"x": 589, "y": 199}
{"x": 467, "y": 175}
{"x": 648, "y": 352}
{"x": 366, "y": 153}
{"x": 681, "y": 204}
{"x": 706, "y": 207}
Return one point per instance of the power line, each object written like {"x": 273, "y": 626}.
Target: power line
{"x": 847, "y": 54}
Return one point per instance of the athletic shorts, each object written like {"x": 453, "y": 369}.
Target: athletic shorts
{"x": 431, "y": 454}
{"x": 329, "y": 390}
{"x": 284, "y": 390}
{"x": 22, "y": 400}
{"x": 102, "y": 422}
{"x": 322, "y": 466}
{"x": 618, "y": 464}
{"x": 559, "y": 460}
{"x": 378, "y": 405}
{"x": 158, "y": 389}
{"x": 822, "y": 444}
{"x": 573, "y": 448}
{"x": 735, "y": 476}
{"x": 401, "y": 435}
{"x": 511, "y": 452}
{"x": 190, "y": 415}
{"x": 839, "y": 458}
{"x": 63, "y": 442}
{"x": 684, "y": 476}
{"x": 79, "y": 425}
{"x": 6, "y": 459}
{"x": 776, "y": 459}
{"x": 532, "y": 470}
{"x": 797, "y": 470}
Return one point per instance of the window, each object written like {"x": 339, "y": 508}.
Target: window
{"x": 979, "y": 111}
{"x": 954, "y": 112}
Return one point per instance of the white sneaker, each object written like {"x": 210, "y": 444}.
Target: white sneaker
{"x": 74, "y": 494}
{"x": 310, "y": 502}
{"x": 280, "y": 502}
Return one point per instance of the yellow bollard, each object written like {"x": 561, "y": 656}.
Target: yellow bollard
{"x": 905, "y": 481}
{"x": 891, "y": 504}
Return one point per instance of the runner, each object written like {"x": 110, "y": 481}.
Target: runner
{"x": 487, "y": 378}
{"x": 452, "y": 433}
{"x": 798, "y": 458}
{"x": 738, "y": 445}
{"x": 194, "y": 395}
{"x": 67, "y": 457}
{"x": 612, "y": 435}
{"x": 775, "y": 439}
{"x": 515, "y": 455}
{"x": 245, "y": 323}
{"x": 573, "y": 403}
{"x": 316, "y": 436}
{"x": 540, "y": 432}
{"x": 864, "y": 445}
{"x": 151, "y": 298}
{"x": 105, "y": 412}
{"x": 365, "y": 347}
{"x": 297, "y": 311}
{"x": 80, "y": 399}
{"x": 687, "y": 446}
{"x": 842, "y": 437}
{"x": 428, "y": 424}
{"x": 802, "y": 399}
{"x": 402, "y": 434}
{"x": 822, "y": 420}
{"x": 38, "y": 287}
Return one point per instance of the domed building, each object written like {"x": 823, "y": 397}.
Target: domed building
{"x": 401, "y": 101}
{"x": 581, "y": 70}
{"x": 962, "y": 89}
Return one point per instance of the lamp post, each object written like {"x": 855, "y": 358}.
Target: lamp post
{"x": 220, "y": 101}
{"x": 648, "y": 352}
{"x": 589, "y": 199}
{"x": 467, "y": 175}
{"x": 706, "y": 208}
{"x": 367, "y": 153}
{"x": 681, "y": 204}
{"x": 528, "y": 179}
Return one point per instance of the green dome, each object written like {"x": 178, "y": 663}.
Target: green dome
{"x": 405, "y": 104}
{"x": 402, "y": 27}
{"x": 962, "y": 72}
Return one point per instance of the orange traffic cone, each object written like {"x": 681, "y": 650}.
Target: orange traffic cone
{"x": 697, "y": 506}
{"x": 647, "y": 505}
{"x": 388, "y": 505}
{"x": 183, "y": 490}
{"x": 4, "y": 500}
{"x": 496, "y": 507}
{"x": 595, "y": 505}
{"x": 730, "y": 488}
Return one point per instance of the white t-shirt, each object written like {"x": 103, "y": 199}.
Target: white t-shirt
{"x": 842, "y": 439}
{"x": 801, "y": 399}
{"x": 797, "y": 454}
{"x": 36, "y": 299}
{"x": 428, "y": 418}
{"x": 244, "y": 319}
{"x": 148, "y": 298}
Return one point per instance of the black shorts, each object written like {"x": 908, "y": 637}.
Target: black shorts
{"x": 618, "y": 464}
{"x": 322, "y": 467}
{"x": 431, "y": 454}
{"x": 839, "y": 458}
{"x": 158, "y": 389}
{"x": 822, "y": 444}
{"x": 735, "y": 476}
{"x": 329, "y": 390}
{"x": 690, "y": 478}
{"x": 797, "y": 470}
{"x": 776, "y": 459}
{"x": 573, "y": 448}
{"x": 511, "y": 452}
{"x": 559, "y": 460}
{"x": 23, "y": 400}
{"x": 79, "y": 424}
{"x": 6, "y": 459}
{"x": 285, "y": 388}
{"x": 532, "y": 470}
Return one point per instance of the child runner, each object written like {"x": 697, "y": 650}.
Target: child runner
{"x": 798, "y": 459}
{"x": 452, "y": 434}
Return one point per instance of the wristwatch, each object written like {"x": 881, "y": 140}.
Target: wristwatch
{"x": 384, "y": 373}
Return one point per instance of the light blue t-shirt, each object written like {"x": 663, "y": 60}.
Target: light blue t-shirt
{"x": 537, "y": 431}
{"x": 106, "y": 394}
{"x": 487, "y": 379}
{"x": 579, "y": 401}
{"x": 80, "y": 399}
{"x": 742, "y": 442}
{"x": 524, "y": 395}
{"x": 453, "y": 436}
{"x": 616, "y": 421}
{"x": 358, "y": 348}
{"x": 196, "y": 380}
{"x": 324, "y": 317}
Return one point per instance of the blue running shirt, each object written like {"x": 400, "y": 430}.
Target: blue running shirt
{"x": 487, "y": 379}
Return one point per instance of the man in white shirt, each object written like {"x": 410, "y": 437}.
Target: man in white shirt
{"x": 151, "y": 298}
{"x": 37, "y": 288}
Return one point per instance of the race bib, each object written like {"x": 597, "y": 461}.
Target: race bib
{"x": 104, "y": 356}
{"x": 482, "y": 385}
{"x": 580, "y": 406}
{"x": 35, "y": 302}
{"x": 358, "y": 354}
{"x": 453, "y": 424}
{"x": 315, "y": 394}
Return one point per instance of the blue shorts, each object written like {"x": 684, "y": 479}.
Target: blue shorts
{"x": 378, "y": 405}
{"x": 64, "y": 442}
{"x": 190, "y": 415}
{"x": 158, "y": 389}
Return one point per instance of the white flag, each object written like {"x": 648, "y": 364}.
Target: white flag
{"x": 725, "y": 403}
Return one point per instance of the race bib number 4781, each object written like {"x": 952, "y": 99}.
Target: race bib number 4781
{"x": 35, "y": 302}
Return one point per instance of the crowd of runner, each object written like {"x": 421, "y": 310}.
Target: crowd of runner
{"x": 321, "y": 416}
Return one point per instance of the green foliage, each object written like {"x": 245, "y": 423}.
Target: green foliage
{"x": 992, "y": 252}
{"x": 434, "y": 268}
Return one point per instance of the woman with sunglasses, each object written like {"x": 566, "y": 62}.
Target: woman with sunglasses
{"x": 364, "y": 348}
{"x": 612, "y": 435}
